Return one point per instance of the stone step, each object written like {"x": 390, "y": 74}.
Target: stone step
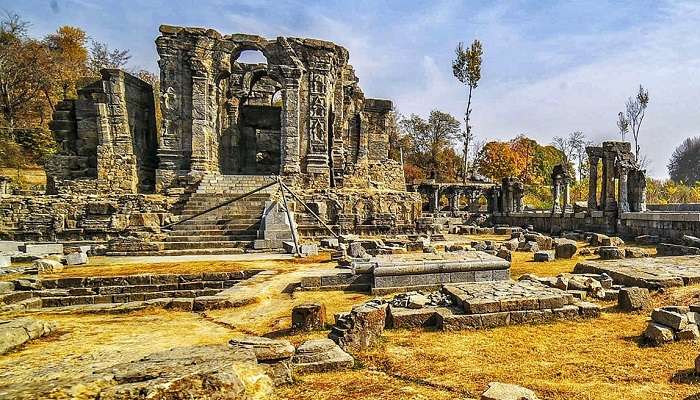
{"x": 222, "y": 223}
{"x": 63, "y": 301}
{"x": 202, "y": 238}
{"x": 15, "y": 297}
{"x": 215, "y": 230}
{"x": 184, "y": 252}
{"x": 127, "y": 289}
{"x": 205, "y": 245}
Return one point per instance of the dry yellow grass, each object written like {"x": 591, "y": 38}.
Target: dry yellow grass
{"x": 593, "y": 359}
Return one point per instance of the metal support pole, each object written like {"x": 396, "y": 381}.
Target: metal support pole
{"x": 221, "y": 205}
{"x": 308, "y": 209}
{"x": 289, "y": 217}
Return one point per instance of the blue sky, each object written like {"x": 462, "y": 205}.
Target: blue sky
{"x": 550, "y": 67}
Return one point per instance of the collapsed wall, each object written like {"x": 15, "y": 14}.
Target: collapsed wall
{"x": 106, "y": 137}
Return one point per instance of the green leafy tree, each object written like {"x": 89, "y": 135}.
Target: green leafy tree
{"x": 684, "y": 165}
{"x": 466, "y": 67}
{"x": 429, "y": 140}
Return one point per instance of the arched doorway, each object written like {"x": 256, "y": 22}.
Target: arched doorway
{"x": 251, "y": 145}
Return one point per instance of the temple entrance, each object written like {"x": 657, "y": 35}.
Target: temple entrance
{"x": 260, "y": 135}
{"x": 250, "y": 141}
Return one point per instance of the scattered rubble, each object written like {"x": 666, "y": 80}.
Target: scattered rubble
{"x": 673, "y": 323}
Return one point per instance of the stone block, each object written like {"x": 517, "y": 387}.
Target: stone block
{"x": 8, "y": 246}
{"x": 611, "y": 253}
{"x": 43, "y": 249}
{"x": 481, "y": 306}
{"x": 565, "y": 248}
{"x": 77, "y": 258}
{"x": 543, "y": 256}
{"x": 668, "y": 318}
{"x": 265, "y": 349}
{"x": 689, "y": 333}
{"x": 658, "y": 334}
{"x": 47, "y": 266}
{"x": 309, "y": 317}
{"x": 330, "y": 243}
{"x": 405, "y": 318}
{"x": 321, "y": 355}
{"x": 501, "y": 274}
{"x": 588, "y": 310}
{"x": 483, "y": 276}
{"x": 447, "y": 321}
{"x": 463, "y": 276}
{"x": 308, "y": 250}
{"x": 633, "y": 298}
{"x": 493, "y": 320}
{"x": 5, "y": 261}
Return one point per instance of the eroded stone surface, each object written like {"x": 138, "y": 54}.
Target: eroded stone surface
{"x": 651, "y": 273}
{"x": 321, "y": 355}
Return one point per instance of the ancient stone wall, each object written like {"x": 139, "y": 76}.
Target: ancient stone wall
{"x": 107, "y": 138}
{"x": 98, "y": 218}
{"x": 325, "y": 127}
{"x": 360, "y": 211}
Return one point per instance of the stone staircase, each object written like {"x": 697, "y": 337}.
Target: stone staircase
{"x": 226, "y": 230}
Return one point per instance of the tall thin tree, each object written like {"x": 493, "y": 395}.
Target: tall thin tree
{"x": 635, "y": 108}
{"x": 466, "y": 67}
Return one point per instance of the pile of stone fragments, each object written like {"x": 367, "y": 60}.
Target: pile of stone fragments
{"x": 671, "y": 323}
{"x": 45, "y": 257}
{"x": 581, "y": 286}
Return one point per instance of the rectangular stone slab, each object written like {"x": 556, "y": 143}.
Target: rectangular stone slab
{"x": 651, "y": 273}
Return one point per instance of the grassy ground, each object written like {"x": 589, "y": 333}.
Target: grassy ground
{"x": 595, "y": 359}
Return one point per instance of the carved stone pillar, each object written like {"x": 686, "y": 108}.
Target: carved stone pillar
{"x": 436, "y": 200}
{"x": 290, "y": 126}
{"x": 199, "y": 159}
{"x": 556, "y": 195}
{"x": 593, "y": 182}
{"x": 623, "y": 199}
{"x": 609, "y": 182}
{"x": 567, "y": 196}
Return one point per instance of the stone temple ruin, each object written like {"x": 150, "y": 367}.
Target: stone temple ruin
{"x": 289, "y": 156}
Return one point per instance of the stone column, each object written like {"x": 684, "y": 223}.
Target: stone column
{"x": 609, "y": 182}
{"x": 289, "y": 157}
{"x": 436, "y": 199}
{"x": 199, "y": 159}
{"x": 593, "y": 182}
{"x": 556, "y": 196}
{"x": 623, "y": 199}
{"x": 567, "y": 196}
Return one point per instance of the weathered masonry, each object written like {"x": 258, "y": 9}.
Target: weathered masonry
{"x": 301, "y": 115}
{"x": 222, "y": 127}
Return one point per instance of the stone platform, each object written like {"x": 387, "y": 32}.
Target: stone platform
{"x": 493, "y": 304}
{"x": 652, "y": 273}
{"x": 413, "y": 271}
{"x": 190, "y": 292}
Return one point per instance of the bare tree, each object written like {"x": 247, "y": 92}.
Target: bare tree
{"x": 635, "y": 108}
{"x": 102, "y": 57}
{"x": 466, "y": 67}
{"x": 563, "y": 144}
{"x": 578, "y": 143}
